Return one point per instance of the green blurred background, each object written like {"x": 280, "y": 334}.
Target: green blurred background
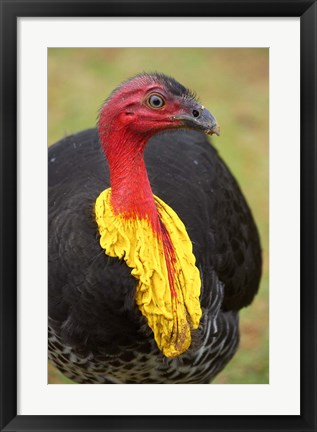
{"x": 233, "y": 84}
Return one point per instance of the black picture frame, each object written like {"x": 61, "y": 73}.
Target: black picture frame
{"x": 10, "y": 11}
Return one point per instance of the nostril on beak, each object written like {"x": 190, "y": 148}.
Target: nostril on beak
{"x": 196, "y": 113}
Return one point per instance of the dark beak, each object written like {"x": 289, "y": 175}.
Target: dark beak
{"x": 200, "y": 119}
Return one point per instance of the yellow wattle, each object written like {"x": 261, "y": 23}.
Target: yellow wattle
{"x": 171, "y": 317}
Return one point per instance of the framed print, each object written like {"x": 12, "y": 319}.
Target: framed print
{"x": 253, "y": 65}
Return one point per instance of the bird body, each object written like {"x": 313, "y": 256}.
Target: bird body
{"x": 152, "y": 253}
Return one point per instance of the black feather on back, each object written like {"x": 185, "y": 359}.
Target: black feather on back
{"x": 92, "y": 310}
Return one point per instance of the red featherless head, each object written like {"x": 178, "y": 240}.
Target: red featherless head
{"x": 148, "y": 104}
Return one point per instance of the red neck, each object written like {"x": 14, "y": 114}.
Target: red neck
{"x": 131, "y": 193}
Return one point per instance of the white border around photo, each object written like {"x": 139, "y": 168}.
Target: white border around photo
{"x": 282, "y": 395}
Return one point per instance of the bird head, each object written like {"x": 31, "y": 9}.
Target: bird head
{"x": 148, "y": 104}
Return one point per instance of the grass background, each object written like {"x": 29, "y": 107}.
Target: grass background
{"x": 233, "y": 85}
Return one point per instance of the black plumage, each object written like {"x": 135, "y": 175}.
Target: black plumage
{"x": 96, "y": 332}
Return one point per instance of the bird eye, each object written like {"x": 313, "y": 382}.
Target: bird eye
{"x": 155, "y": 101}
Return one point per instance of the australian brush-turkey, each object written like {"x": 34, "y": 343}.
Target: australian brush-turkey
{"x": 153, "y": 252}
